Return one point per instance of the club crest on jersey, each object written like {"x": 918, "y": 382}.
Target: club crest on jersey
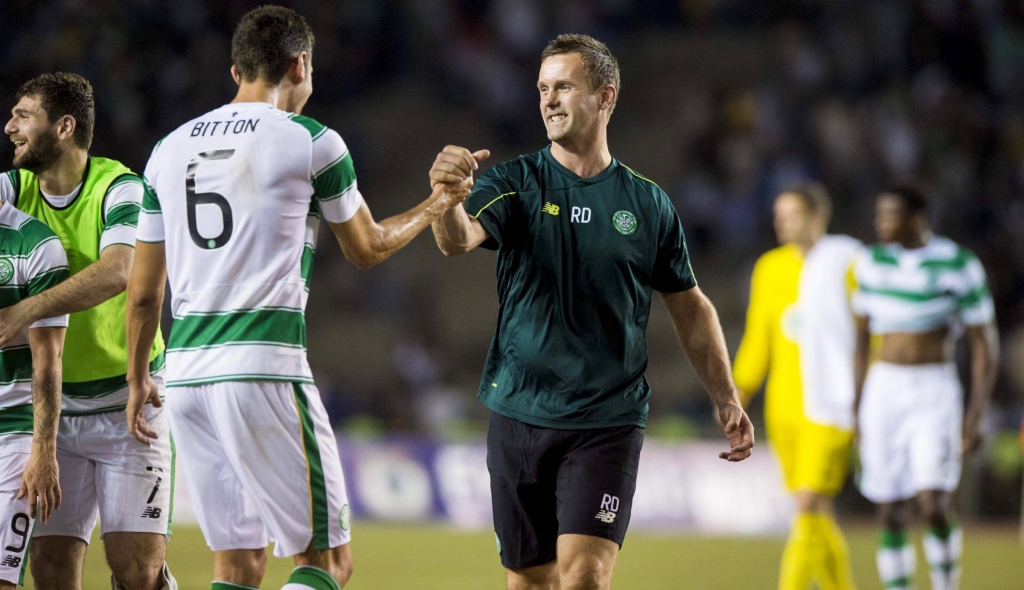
{"x": 6, "y": 271}
{"x": 344, "y": 519}
{"x": 624, "y": 222}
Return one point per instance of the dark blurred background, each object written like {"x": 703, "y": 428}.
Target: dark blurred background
{"x": 723, "y": 103}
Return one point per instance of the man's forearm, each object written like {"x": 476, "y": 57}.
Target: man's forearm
{"x": 452, "y": 230}
{"x": 46, "y": 396}
{"x": 142, "y": 320}
{"x": 86, "y": 289}
{"x": 984, "y": 366}
{"x": 702, "y": 339}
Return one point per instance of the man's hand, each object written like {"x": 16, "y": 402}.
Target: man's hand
{"x": 139, "y": 394}
{"x": 41, "y": 482}
{"x": 738, "y": 430}
{"x": 13, "y": 322}
{"x": 456, "y": 164}
{"x": 971, "y": 432}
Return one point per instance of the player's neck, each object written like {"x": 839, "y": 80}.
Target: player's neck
{"x": 66, "y": 174}
{"x": 807, "y": 244}
{"x": 258, "y": 91}
{"x": 586, "y": 159}
{"x": 915, "y": 240}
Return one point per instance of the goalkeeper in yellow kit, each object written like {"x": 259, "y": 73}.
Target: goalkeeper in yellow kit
{"x": 799, "y": 332}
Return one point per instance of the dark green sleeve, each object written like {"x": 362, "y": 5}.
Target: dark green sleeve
{"x": 672, "y": 271}
{"x": 492, "y": 203}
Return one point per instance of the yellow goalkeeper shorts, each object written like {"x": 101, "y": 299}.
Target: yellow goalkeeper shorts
{"x": 814, "y": 457}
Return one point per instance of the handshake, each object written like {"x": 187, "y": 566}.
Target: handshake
{"x": 451, "y": 176}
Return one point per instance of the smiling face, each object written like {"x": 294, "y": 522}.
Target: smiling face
{"x": 571, "y": 109}
{"x": 36, "y": 143}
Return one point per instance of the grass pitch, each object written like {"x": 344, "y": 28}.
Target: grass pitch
{"x": 435, "y": 558}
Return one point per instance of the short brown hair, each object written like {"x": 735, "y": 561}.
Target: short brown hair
{"x": 266, "y": 41}
{"x": 63, "y": 94}
{"x": 814, "y": 196}
{"x": 601, "y": 66}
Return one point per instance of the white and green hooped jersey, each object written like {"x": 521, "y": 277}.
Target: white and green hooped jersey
{"x": 919, "y": 290}
{"x": 31, "y": 261}
{"x": 236, "y": 197}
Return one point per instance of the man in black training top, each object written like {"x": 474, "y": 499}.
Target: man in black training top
{"x": 582, "y": 242}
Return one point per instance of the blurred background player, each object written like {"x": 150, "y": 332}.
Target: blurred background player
{"x": 231, "y": 219}
{"x": 919, "y": 292}
{"x": 582, "y": 242}
{"x": 799, "y": 332}
{"x": 32, "y": 261}
{"x": 92, "y": 204}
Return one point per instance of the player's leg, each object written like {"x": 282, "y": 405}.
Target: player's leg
{"x": 15, "y": 523}
{"x": 57, "y": 553}
{"x": 316, "y": 569}
{"x": 820, "y": 471}
{"x": 586, "y": 562}
{"x": 538, "y": 577}
{"x": 522, "y": 462}
{"x": 133, "y": 486}
{"x": 795, "y": 568}
{"x": 596, "y": 482}
{"x": 226, "y": 514}
{"x": 936, "y": 464}
{"x": 896, "y": 558}
{"x": 886, "y": 432}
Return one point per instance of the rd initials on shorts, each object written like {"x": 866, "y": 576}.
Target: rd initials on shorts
{"x": 609, "y": 507}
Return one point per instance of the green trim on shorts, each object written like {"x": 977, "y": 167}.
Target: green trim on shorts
{"x": 317, "y": 485}
{"x": 170, "y": 507}
{"x": 313, "y": 577}
{"x": 28, "y": 543}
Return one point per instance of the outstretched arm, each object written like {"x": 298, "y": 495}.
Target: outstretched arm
{"x": 40, "y": 482}
{"x": 700, "y": 335}
{"x": 142, "y": 320}
{"x": 366, "y": 242}
{"x": 89, "y": 287}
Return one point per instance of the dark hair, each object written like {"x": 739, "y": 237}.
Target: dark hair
{"x": 63, "y": 94}
{"x": 600, "y": 65}
{"x": 912, "y": 199}
{"x": 266, "y": 41}
{"x": 814, "y": 196}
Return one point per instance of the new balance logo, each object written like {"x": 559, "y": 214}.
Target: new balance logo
{"x": 549, "y": 208}
{"x": 11, "y": 561}
{"x": 609, "y": 507}
{"x": 152, "y": 512}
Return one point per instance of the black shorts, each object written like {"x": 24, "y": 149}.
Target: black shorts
{"x": 547, "y": 482}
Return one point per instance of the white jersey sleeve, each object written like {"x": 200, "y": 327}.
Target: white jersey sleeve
{"x": 335, "y": 189}
{"x": 121, "y": 212}
{"x": 974, "y": 300}
{"x": 7, "y": 183}
{"x": 45, "y": 266}
{"x": 151, "y": 219}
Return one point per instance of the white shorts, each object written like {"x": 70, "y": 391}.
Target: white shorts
{"x": 15, "y": 523}
{"x": 910, "y": 431}
{"x": 261, "y": 464}
{"x": 105, "y": 472}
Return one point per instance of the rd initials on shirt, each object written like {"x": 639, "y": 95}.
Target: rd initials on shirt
{"x": 580, "y": 215}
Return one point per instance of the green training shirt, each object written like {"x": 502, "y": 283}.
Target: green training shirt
{"x": 578, "y": 259}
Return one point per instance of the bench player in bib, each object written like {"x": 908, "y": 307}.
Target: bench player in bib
{"x": 231, "y": 219}
{"x": 31, "y": 261}
{"x": 583, "y": 241}
{"x": 800, "y": 334}
{"x": 918, "y": 292}
{"x": 92, "y": 204}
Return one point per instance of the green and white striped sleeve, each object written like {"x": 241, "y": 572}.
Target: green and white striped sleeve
{"x": 9, "y": 182}
{"x": 335, "y": 189}
{"x": 151, "y": 217}
{"x": 45, "y": 266}
{"x": 974, "y": 299}
{"x": 121, "y": 211}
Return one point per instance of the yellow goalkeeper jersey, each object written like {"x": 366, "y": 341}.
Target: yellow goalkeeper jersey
{"x": 769, "y": 346}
